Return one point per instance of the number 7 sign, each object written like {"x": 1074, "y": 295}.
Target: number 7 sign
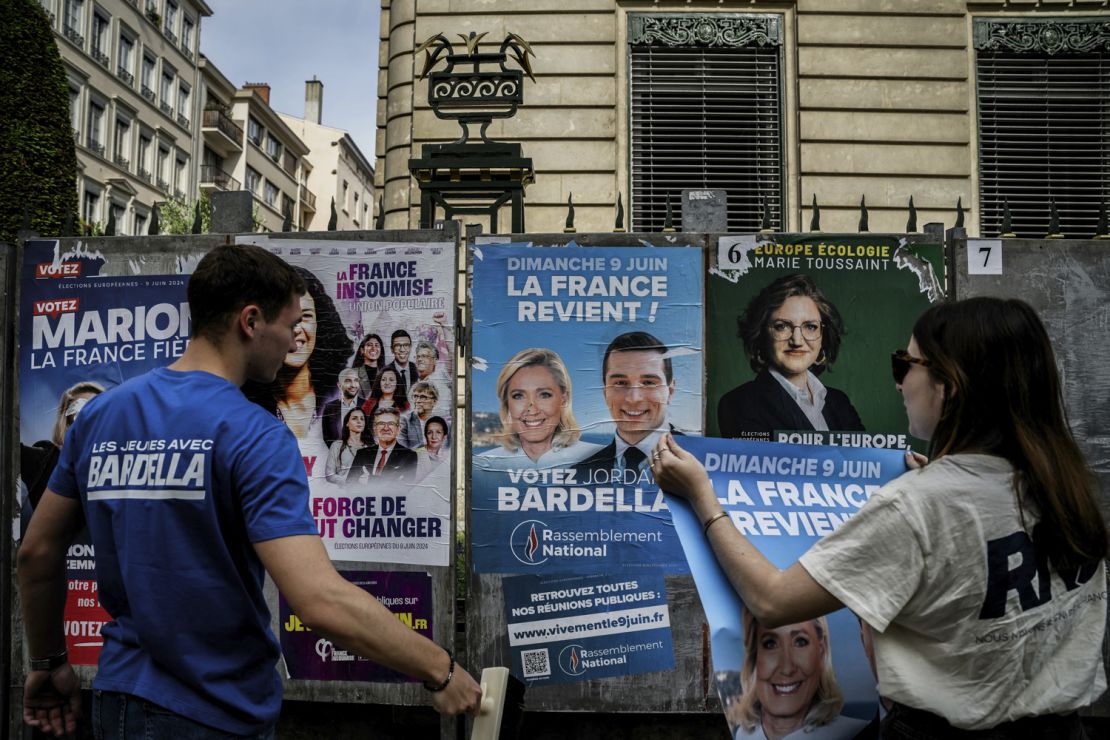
{"x": 984, "y": 256}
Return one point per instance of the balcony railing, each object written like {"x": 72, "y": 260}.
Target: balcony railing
{"x": 308, "y": 198}
{"x": 133, "y": 3}
{"x": 95, "y": 146}
{"x": 144, "y": 175}
{"x": 147, "y": 93}
{"x": 170, "y": 35}
{"x": 100, "y": 57}
{"x": 210, "y": 173}
{"x": 122, "y": 161}
{"x": 213, "y": 118}
{"x": 127, "y": 77}
{"x": 166, "y": 108}
{"x": 187, "y": 52}
{"x": 71, "y": 33}
{"x": 182, "y": 121}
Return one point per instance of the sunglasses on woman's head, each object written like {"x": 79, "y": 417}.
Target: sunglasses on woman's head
{"x": 900, "y": 362}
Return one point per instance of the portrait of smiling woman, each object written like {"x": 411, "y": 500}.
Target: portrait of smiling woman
{"x": 791, "y": 334}
{"x": 538, "y": 427}
{"x": 788, "y": 684}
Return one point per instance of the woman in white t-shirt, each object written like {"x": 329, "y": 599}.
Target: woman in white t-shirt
{"x": 980, "y": 574}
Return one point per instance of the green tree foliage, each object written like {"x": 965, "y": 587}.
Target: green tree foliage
{"x": 178, "y": 215}
{"x": 38, "y": 161}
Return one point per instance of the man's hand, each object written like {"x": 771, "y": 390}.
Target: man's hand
{"x": 52, "y": 700}
{"x": 462, "y": 695}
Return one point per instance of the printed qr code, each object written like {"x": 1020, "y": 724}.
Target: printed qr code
{"x": 536, "y": 663}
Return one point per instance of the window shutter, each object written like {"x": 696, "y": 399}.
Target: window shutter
{"x": 1043, "y": 98}
{"x": 706, "y": 113}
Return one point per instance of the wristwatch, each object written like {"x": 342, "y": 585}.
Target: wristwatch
{"x": 50, "y": 663}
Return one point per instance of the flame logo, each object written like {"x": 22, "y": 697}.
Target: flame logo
{"x": 570, "y": 660}
{"x": 531, "y": 545}
{"x": 573, "y": 660}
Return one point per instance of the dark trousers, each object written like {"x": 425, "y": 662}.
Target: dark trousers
{"x": 907, "y": 723}
{"x": 125, "y": 717}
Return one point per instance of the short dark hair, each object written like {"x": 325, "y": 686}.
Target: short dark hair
{"x": 636, "y": 341}
{"x": 436, "y": 420}
{"x": 399, "y": 333}
{"x": 753, "y": 322}
{"x": 382, "y": 410}
{"x": 233, "y": 276}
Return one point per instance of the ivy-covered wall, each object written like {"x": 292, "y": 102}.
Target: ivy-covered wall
{"x": 38, "y": 162}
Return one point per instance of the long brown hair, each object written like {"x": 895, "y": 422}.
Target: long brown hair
{"x": 1002, "y": 396}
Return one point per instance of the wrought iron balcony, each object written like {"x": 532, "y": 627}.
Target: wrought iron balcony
{"x": 217, "y": 119}
{"x": 211, "y": 174}
{"x": 100, "y": 57}
{"x": 187, "y": 52}
{"x": 308, "y": 198}
{"x": 166, "y": 108}
{"x": 170, "y": 34}
{"x": 144, "y": 175}
{"x": 127, "y": 77}
{"x": 95, "y": 146}
{"x": 122, "y": 161}
{"x": 133, "y": 3}
{"x": 182, "y": 121}
{"x": 71, "y": 33}
{"x": 148, "y": 93}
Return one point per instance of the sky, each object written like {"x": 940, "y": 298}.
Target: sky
{"x": 285, "y": 42}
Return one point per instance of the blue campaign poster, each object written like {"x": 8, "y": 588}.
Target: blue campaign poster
{"x": 583, "y": 357}
{"x": 784, "y": 498}
{"x": 577, "y": 628}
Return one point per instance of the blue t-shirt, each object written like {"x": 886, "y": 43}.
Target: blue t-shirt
{"x": 179, "y": 474}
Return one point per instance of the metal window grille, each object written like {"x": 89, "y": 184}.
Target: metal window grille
{"x": 706, "y": 113}
{"x": 1043, "y": 99}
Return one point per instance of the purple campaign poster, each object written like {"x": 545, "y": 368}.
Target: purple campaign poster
{"x": 309, "y": 656}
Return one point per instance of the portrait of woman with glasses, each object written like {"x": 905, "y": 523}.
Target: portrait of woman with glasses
{"x": 791, "y": 335}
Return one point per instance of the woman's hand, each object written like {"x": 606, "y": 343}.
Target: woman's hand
{"x": 677, "y": 471}
{"x": 915, "y": 460}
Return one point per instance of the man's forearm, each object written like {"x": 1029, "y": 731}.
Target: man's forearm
{"x": 42, "y": 591}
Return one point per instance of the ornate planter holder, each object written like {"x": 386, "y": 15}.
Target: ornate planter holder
{"x": 466, "y": 177}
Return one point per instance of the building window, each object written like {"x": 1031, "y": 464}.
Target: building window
{"x": 145, "y": 148}
{"x": 344, "y": 196}
{"x": 273, "y": 147}
{"x": 99, "y": 50}
{"x": 146, "y": 78}
{"x": 183, "y": 104}
{"x": 125, "y": 59}
{"x": 163, "y": 167}
{"x": 286, "y": 205}
{"x": 187, "y": 26}
{"x": 167, "y": 93}
{"x": 170, "y": 20}
{"x": 269, "y": 193}
{"x": 706, "y": 113}
{"x": 254, "y": 131}
{"x": 252, "y": 181}
{"x": 75, "y": 110}
{"x": 181, "y": 177}
{"x": 91, "y": 208}
{"x": 117, "y": 210}
{"x": 122, "y": 143}
{"x": 94, "y": 134}
{"x": 1042, "y": 92}
{"x": 140, "y": 223}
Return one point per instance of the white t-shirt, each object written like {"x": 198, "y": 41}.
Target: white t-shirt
{"x": 938, "y": 563}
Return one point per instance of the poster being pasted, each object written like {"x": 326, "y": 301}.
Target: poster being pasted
{"x": 578, "y": 628}
{"x": 799, "y": 333}
{"x": 815, "y": 678}
{"x": 83, "y": 332}
{"x": 310, "y": 656}
{"x": 369, "y": 393}
{"x": 583, "y": 357}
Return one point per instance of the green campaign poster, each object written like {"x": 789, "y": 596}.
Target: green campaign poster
{"x": 799, "y": 334}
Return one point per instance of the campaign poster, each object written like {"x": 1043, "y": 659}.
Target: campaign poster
{"x": 369, "y": 393}
{"x": 312, "y": 657}
{"x": 82, "y": 333}
{"x": 800, "y": 330}
{"x": 578, "y": 628}
{"x": 582, "y": 358}
{"x": 784, "y": 498}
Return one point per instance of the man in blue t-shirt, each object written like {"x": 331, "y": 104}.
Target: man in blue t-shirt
{"x": 191, "y": 492}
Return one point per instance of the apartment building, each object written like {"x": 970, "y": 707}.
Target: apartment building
{"x": 778, "y": 102}
{"x": 339, "y": 173}
{"x": 132, "y": 72}
{"x": 245, "y": 145}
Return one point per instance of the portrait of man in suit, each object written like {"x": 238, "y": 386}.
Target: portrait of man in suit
{"x": 638, "y": 388}
{"x": 400, "y": 344}
{"x": 386, "y": 459}
{"x": 335, "y": 411}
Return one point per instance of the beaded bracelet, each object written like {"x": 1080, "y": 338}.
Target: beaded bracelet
{"x": 450, "y": 673}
